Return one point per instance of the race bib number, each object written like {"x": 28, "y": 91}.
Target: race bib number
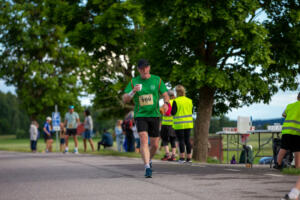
{"x": 146, "y": 100}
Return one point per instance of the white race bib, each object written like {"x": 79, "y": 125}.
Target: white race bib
{"x": 146, "y": 100}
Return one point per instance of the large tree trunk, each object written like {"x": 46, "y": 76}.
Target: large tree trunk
{"x": 202, "y": 124}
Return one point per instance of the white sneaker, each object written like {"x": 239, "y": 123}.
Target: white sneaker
{"x": 181, "y": 161}
{"x": 76, "y": 152}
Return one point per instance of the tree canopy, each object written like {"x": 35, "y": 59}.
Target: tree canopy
{"x": 37, "y": 59}
{"x": 222, "y": 55}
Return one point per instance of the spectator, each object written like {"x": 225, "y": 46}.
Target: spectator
{"x": 136, "y": 138}
{"x": 107, "y": 140}
{"x": 88, "y": 129}
{"x": 34, "y": 135}
{"x": 47, "y": 134}
{"x": 182, "y": 110}
{"x": 62, "y": 135}
{"x": 119, "y": 135}
{"x": 290, "y": 133}
{"x": 71, "y": 122}
{"x": 127, "y": 128}
{"x": 167, "y": 132}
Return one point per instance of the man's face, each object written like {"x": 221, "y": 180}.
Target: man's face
{"x": 144, "y": 71}
{"x": 71, "y": 110}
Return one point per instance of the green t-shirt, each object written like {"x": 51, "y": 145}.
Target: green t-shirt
{"x": 147, "y": 100}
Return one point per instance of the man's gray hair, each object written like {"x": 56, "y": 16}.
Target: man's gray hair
{"x": 171, "y": 93}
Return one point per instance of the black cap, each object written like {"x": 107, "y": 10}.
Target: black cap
{"x": 143, "y": 63}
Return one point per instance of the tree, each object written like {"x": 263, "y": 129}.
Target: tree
{"x": 37, "y": 59}
{"x": 219, "y": 51}
{"x": 218, "y": 123}
{"x": 110, "y": 33}
{"x": 11, "y": 113}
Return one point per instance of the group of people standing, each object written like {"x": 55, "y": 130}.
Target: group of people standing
{"x": 145, "y": 90}
{"x": 67, "y": 128}
{"x": 177, "y": 125}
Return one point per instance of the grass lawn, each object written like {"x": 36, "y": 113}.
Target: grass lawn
{"x": 10, "y": 143}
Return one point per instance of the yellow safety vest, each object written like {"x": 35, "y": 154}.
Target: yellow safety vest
{"x": 167, "y": 120}
{"x": 291, "y": 124}
{"x": 183, "y": 119}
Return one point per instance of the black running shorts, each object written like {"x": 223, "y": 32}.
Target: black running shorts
{"x": 290, "y": 142}
{"x": 148, "y": 124}
{"x": 71, "y": 131}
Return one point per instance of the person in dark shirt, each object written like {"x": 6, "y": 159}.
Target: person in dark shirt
{"x": 107, "y": 140}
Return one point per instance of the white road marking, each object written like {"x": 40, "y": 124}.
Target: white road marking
{"x": 233, "y": 170}
{"x": 276, "y": 175}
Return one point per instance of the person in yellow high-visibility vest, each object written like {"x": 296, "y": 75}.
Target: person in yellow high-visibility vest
{"x": 182, "y": 111}
{"x": 290, "y": 139}
{"x": 167, "y": 132}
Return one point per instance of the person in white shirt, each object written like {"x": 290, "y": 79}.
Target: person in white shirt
{"x": 34, "y": 134}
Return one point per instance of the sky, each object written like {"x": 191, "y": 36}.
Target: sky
{"x": 258, "y": 111}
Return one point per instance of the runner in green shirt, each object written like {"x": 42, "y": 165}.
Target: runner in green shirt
{"x": 145, "y": 91}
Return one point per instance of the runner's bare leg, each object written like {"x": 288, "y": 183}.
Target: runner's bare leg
{"x": 153, "y": 146}
{"x": 144, "y": 147}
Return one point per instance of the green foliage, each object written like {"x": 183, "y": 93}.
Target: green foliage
{"x": 213, "y": 44}
{"x": 21, "y": 134}
{"x": 222, "y": 55}
{"x": 110, "y": 33}
{"x": 37, "y": 59}
{"x": 12, "y": 117}
{"x": 218, "y": 123}
{"x": 291, "y": 171}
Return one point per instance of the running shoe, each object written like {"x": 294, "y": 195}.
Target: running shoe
{"x": 181, "y": 161}
{"x": 76, "y": 152}
{"x": 286, "y": 197}
{"x": 165, "y": 158}
{"x": 148, "y": 173}
{"x": 173, "y": 158}
{"x": 279, "y": 167}
{"x": 189, "y": 161}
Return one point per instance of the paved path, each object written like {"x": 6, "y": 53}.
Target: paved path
{"x": 26, "y": 176}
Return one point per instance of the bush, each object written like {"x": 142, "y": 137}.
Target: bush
{"x": 21, "y": 134}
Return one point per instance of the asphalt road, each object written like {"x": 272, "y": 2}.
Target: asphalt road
{"x": 26, "y": 176}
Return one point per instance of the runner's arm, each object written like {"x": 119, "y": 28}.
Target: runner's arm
{"x": 166, "y": 100}
{"x": 128, "y": 96}
{"x": 166, "y": 97}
